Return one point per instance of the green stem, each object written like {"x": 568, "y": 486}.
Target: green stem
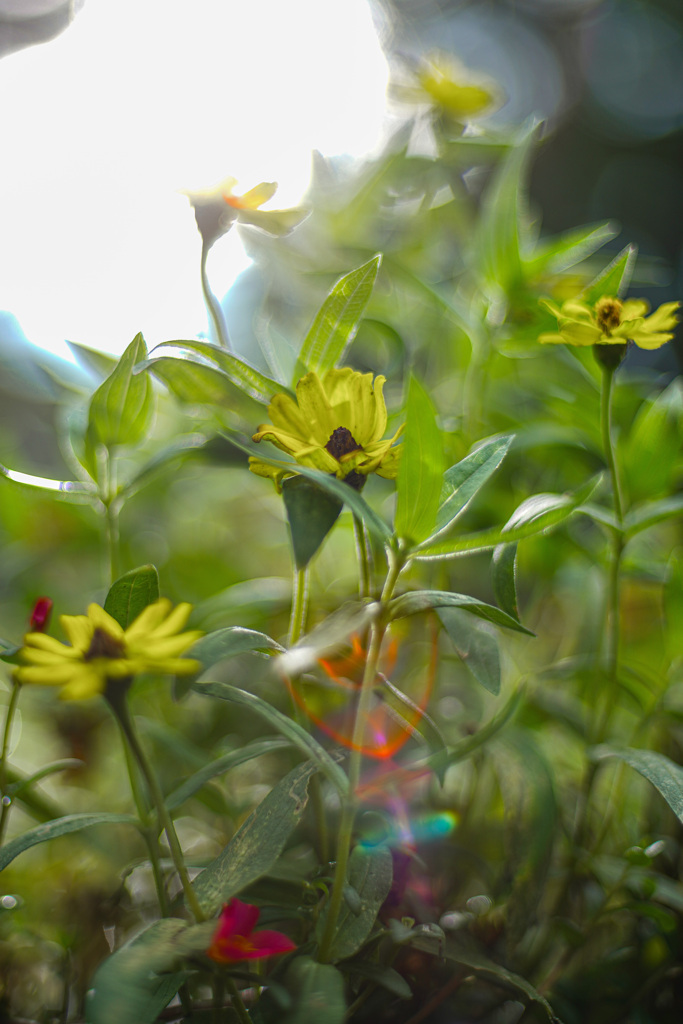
{"x": 150, "y": 836}
{"x": 237, "y": 1003}
{"x": 117, "y": 702}
{"x": 111, "y": 514}
{"x": 377, "y": 631}
{"x": 299, "y": 605}
{"x": 4, "y": 795}
{"x": 212, "y": 304}
{"x": 364, "y": 584}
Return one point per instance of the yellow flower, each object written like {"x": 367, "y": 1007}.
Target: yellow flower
{"x": 217, "y": 208}
{"x": 102, "y": 651}
{"x": 443, "y": 82}
{"x": 336, "y": 425}
{"x": 611, "y": 321}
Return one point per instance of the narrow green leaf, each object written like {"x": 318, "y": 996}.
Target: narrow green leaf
{"x": 420, "y": 475}
{"x": 222, "y": 765}
{"x": 417, "y": 720}
{"x": 337, "y": 320}
{"x": 231, "y": 641}
{"x": 192, "y": 382}
{"x": 432, "y": 940}
{"x": 240, "y": 373}
{"x": 466, "y": 746}
{"x": 63, "y": 765}
{"x": 477, "y": 648}
{"x": 535, "y": 515}
{"x": 258, "y": 843}
{"x": 664, "y": 774}
{"x": 615, "y": 278}
{"x": 129, "y": 985}
{"x": 121, "y": 408}
{"x": 311, "y": 514}
{"x": 131, "y": 593}
{"x": 370, "y": 875}
{"x": 416, "y": 601}
{"x": 555, "y": 255}
{"x": 177, "y": 450}
{"x": 462, "y": 481}
{"x": 284, "y": 725}
{"x": 385, "y": 977}
{"x": 652, "y": 512}
{"x": 503, "y": 572}
{"x": 61, "y": 827}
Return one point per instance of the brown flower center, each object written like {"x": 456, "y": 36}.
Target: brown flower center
{"x": 608, "y": 314}
{"x": 103, "y": 645}
{"x": 342, "y": 442}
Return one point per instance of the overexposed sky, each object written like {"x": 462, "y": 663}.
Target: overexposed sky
{"x": 138, "y": 99}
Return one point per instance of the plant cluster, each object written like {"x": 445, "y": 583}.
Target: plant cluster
{"x": 450, "y": 787}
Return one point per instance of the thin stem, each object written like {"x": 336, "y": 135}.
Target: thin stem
{"x": 150, "y": 836}
{"x": 5, "y": 799}
{"x": 118, "y": 704}
{"x": 111, "y": 515}
{"x": 212, "y": 303}
{"x": 377, "y": 631}
{"x": 299, "y": 605}
{"x": 237, "y": 1003}
{"x": 364, "y": 584}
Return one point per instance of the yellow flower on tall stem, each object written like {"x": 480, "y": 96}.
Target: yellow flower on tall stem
{"x": 336, "y": 424}
{"x": 443, "y": 82}
{"x": 610, "y": 321}
{"x": 101, "y": 652}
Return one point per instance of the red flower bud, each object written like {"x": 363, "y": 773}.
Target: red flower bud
{"x": 40, "y": 616}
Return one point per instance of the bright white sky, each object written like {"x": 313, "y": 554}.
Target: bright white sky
{"x": 141, "y": 98}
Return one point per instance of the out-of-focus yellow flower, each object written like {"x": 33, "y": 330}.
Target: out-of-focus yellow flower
{"x": 101, "y": 651}
{"x": 336, "y": 424}
{"x": 611, "y": 321}
{"x": 216, "y": 209}
{"x": 440, "y": 80}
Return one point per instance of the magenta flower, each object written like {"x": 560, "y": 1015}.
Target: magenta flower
{"x": 40, "y": 616}
{"x": 235, "y": 938}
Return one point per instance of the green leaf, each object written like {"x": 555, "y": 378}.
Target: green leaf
{"x": 284, "y": 725}
{"x": 416, "y": 601}
{"x": 535, "y": 515}
{"x": 61, "y": 827}
{"x": 98, "y": 362}
{"x": 128, "y": 985}
{"x": 431, "y": 939}
{"x": 177, "y": 450}
{"x": 243, "y": 375}
{"x": 503, "y": 569}
{"x": 650, "y": 455}
{"x": 311, "y": 514}
{"x": 337, "y": 488}
{"x": 317, "y": 992}
{"x": 131, "y": 593}
{"x": 420, "y": 475}
{"x": 420, "y": 722}
{"x": 466, "y": 746}
{"x": 661, "y": 771}
{"x": 222, "y": 765}
{"x": 385, "y": 977}
{"x": 231, "y": 641}
{"x": 258, "y": 843}
{"x": 337, "y": 320}
{"x": 121, "y": 408}
{"x": 652, "y": 512}
{"x": 191, "y": 382}
{"x": 63, "y": 765}
{"x": 477, "y": 648}
{"x": 462, "y": 481}
{"x": 615, "y": 278}
{"x": 555, "y": 255}
{"x": 370, "y": 875}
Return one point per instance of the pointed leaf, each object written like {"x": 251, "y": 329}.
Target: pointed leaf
{"x": 615, "y": 278}
{"x": 240, "y": 373}
{"x": 555, "y": 255}
{"x": 477, "y": 648}
{"x": 420, "y": 475}
{"x": 131, "y": 593}
{"x": 416, "y": 601}
{"x": 661, "y": 771}
{"x": 60, "y": 827}
{"x": 311, "y": 514}
{"x": 370, "y": 875}
{"x": 462, "y": 481}
{"x": 337, "y": 320}
{"x": 301, "y": 739}
{"x": 652, "y": 512}
{"x": 222, "y": 765}
{"x": 258, "y": 843}
{"x": 192, "y": 383}
{"x": 317, "y": 993}
{"x": 503, "y": 569}
{"x": 231, "y": 641}
{"x": 121, "y": 408}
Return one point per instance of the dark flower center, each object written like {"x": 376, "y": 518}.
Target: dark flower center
{"x": 342, "y": 442}
{"x": 103, "y": 645}
{"x": 608, "y": 314}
